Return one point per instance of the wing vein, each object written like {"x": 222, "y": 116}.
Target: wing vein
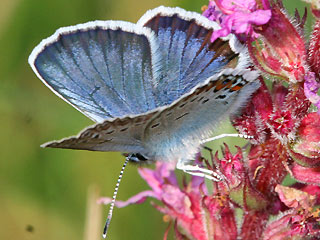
{"x": 76, "y": 64}
{"x": 110, "y": 76}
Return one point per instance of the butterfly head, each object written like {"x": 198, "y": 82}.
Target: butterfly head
{"x": 137, "y": 158}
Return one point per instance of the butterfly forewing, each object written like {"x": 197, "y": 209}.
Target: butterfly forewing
{"x": 104, "y": 69}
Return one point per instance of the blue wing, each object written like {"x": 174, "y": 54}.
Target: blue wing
{"x": 104, "y": 69}
{"x": 114, "y": 69}
{"x": 189, "y": 56}
{"x": 109, "y": 70}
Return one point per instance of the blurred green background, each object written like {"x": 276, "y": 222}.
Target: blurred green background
{"x": 47, "y": 193}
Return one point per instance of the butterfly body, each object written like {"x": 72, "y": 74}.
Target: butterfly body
{"x": 156, "y": 88}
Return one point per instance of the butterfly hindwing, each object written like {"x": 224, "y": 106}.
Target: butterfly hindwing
{"x": 180, "y": 128}
{"x": 123, "y": 135}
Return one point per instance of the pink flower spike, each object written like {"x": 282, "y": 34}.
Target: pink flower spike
{"x": 311, "y": 87}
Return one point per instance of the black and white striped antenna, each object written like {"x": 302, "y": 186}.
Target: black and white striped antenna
{"x": 106, "y": 226}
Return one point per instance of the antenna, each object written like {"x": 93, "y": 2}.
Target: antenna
{"x": 106, "y": 226}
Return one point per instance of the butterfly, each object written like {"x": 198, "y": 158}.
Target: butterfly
{"x": 156, "y": 89}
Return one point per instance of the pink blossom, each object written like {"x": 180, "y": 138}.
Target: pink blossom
{"x": 239, "y": 17}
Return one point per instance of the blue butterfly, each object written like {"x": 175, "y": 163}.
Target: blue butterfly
{"x": 155, "y": 89}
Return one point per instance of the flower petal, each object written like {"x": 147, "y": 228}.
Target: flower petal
{"x": 177, "y": 200}
{"x": 155, "y": 178}
{"x": 306, "y": 174}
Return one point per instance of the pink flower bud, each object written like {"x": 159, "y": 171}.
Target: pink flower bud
{"x": 280, "y": 51}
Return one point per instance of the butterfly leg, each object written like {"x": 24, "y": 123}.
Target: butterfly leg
{"x": 226, "y": 135}
{"x": 195, "y": 170}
